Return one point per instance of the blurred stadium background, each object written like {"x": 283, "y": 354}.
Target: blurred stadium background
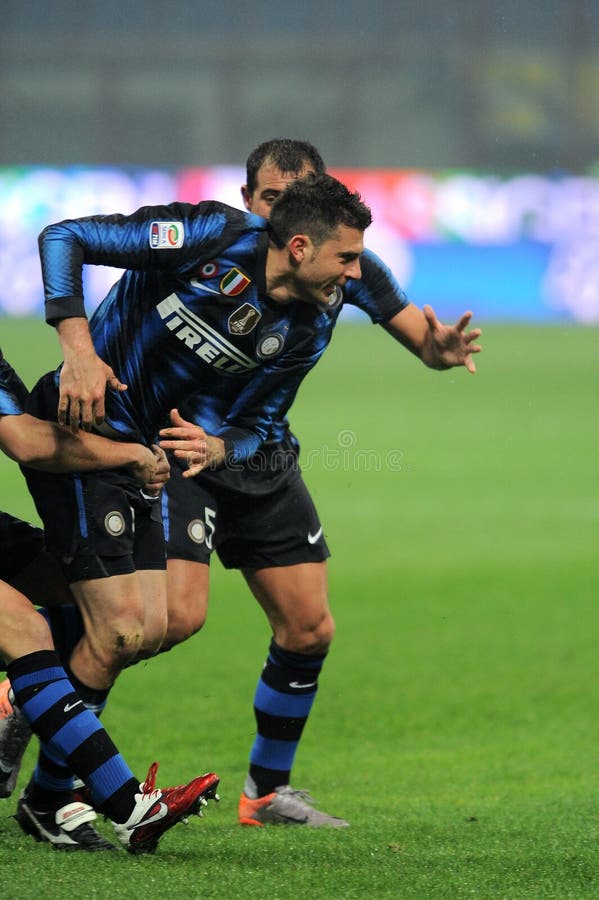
{"x": 471, "y": 129}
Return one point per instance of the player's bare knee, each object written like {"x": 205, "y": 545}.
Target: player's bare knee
{"x": 37, "y": 629}
{"x": 322, "y": 636}
{"x": 187, "y": 613}
{"x": 310, "y": 637}
{"x": 112, "y": 653}
{"x": 182, "y": 624}
{"x": 154, "y": 634}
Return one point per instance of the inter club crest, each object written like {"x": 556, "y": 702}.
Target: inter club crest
{"x": 244, "y": 319}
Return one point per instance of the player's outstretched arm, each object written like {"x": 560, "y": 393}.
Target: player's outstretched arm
{"x": 53, "y": 448}
{"x": 191, "y": 443}
{"x": 439, "y": 346}
{"x": 84, "y": 377}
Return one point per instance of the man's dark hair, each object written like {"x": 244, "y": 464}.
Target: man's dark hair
{"x": 316, "y": 206}
{"x": 287, "y": 154}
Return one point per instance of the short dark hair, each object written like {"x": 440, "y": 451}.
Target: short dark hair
{"x": 316, "y": 206}
{"x": 287, "y": 154}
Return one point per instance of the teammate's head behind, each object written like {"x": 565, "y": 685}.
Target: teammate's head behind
{"x": 289, "y": 155}
{"x": 273, "y": 165}
{"x": 316, "y": 206}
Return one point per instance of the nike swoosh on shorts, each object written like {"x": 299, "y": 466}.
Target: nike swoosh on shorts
{"x": 312, "y": 538}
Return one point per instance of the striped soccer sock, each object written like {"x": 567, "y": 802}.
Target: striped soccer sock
{"x": 73, "y": 739}
{"x": 282, "y": 704}
{"x": 53, "y": 779}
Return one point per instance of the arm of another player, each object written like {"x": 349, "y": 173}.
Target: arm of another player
{"x": 439, "y": 346}
{"x": 84, "y": 377}
{"x": 52, "y": 448}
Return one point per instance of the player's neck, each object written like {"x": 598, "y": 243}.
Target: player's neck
{"x": 280, "y": 277}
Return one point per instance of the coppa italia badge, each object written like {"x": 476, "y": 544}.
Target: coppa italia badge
{"x": 166, "y": 235}
{"x": 234, "y": 282}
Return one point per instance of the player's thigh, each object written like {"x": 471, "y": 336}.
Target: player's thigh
{"x": 113, "y": 611}
{"x": 295, "y": 600}
{"x": 192, "y": 525}
{"x": 188, "y": 585}
{"x": 152, "y": 583}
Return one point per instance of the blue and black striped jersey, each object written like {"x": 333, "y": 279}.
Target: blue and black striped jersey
{"x": 190, "y": 319}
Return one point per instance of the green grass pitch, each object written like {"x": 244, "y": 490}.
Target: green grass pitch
{"x": 456, "y": 724}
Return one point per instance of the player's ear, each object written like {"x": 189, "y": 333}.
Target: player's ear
{"x": 298, "y": 246}
{"x": 246, "y": 197}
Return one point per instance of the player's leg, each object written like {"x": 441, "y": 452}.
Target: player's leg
{"x": 187, "y": 591}
{"x": 103, "y": 518}
{"x": 112, "y": 610}
{"x": 294, "y": 599}
{"x": 124, "y": 618}
{"x": 190, "y": 518}
{"x": 276, "y": 539}
{"x": 29, "y": 569}
{"x": 69, "y": 632}
{"x": 73, "y": 735}
{"x": 140, "y": 813}
{"x": 22, "y": 630}
{"x": 26, "y": 645}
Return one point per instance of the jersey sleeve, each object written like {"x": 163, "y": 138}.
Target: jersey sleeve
{"x": 377, "y": 293}
{"x": 168, "y": 238}
{"x": 13, "y": 393}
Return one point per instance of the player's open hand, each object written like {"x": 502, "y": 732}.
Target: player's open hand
{"x": 450, "y": 345}
{"x": 190, "y": 443}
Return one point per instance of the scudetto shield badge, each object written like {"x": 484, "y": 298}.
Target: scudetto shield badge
{"x": 244, "y": 319}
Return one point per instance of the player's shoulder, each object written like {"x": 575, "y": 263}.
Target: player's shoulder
{"x": 231, "y": 214}
{"x": 218, "y": 219}
{"x": 377, "y": 292}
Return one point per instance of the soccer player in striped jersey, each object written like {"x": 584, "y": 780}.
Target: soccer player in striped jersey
{"x": 260, "y": 518}
{"x": 72, "y": 737}
{"x": 213, "y": 300}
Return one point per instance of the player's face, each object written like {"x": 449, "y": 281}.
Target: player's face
{"x": 335, "y": 261}
{"x": 270, "y": 182}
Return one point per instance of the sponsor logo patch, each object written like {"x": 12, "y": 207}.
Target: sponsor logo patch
{"x": 244, "y": 319}
{"x": 234, "y": 282}
{"x": 166, "y": 235}
{"x": 201, "y": 338}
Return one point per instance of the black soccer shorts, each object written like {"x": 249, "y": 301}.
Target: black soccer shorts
{"x": 20, "y": 544}
{"x": 98, "y": 524}
{"x": 276, "y": 526}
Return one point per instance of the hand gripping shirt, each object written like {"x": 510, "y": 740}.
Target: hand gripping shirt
{"x": 189, "y": 315}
